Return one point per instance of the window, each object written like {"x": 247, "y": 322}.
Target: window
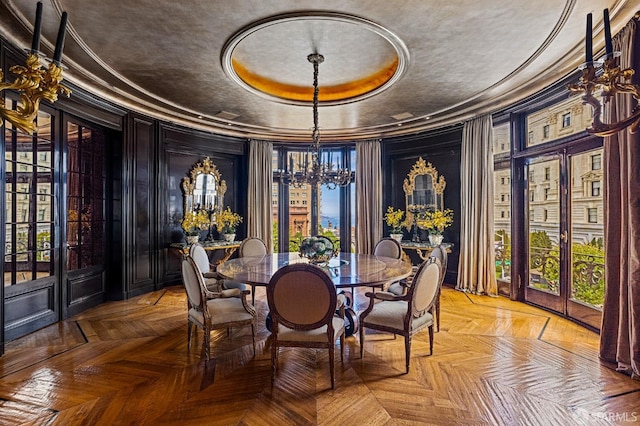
{"x": 566, "y": 120}
{"x": 595, "y": 188}
{"x": 532, "y": 196}
{"x": 312, "y": 210}
{"x": 592, "y": 215}
{"x": 547, "y": 191}
{"x": 29, "y": 226}
{"x": 530, "y": 137}
{"x": 547, "y": 173}
{"x": 596, "y": 162}
{"x": 545, "y": 215}
{"x": 502, "y": 196}
{"x": 545, "y": 132}
{"x": 502, "y": 214}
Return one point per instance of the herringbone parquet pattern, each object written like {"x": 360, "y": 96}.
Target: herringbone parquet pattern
{"x": 495, "y": 362}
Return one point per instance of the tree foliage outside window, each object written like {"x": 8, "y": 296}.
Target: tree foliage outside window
{"x": 587, "y": 272}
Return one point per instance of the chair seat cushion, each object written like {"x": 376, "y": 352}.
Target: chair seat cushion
{"x": 316, "y": 335}
{"x": 222, "y": 311}
{"x": 392, "y": 313}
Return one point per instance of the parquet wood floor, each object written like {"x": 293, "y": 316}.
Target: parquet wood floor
{"x": 495, "y": 362}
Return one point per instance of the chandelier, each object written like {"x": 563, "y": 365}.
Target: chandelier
{"x": 309, "y": 169}
{"x": 606, "y": 75}
{"x": 35, "y": 82}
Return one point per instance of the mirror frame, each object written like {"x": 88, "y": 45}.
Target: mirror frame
{"x": 439, "y": 183}
{"x": 205, "y": 167}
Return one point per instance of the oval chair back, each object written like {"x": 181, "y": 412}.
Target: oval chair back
{"x": 388, "y": 247}
{"x": 440, "y": 254}
{"x": 252, "y": 246}
{"x": 200, "y": 257}
{"x": 424, "y": 288}
{"x": 191, "y": 283}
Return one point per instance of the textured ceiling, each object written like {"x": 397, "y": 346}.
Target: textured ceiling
{"x": 175, "y": 60}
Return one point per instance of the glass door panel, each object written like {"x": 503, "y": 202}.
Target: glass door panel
{"x": 586, "y": 295}
{"x": 544, "y": 233}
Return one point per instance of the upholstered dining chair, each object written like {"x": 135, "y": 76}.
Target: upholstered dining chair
{"x": 439, "y": 253}
{"x": 407, "y": 314}
{"x": 303, "y": 302}
{"x": 210, "y": 311}
{"x": 252, "y": 246}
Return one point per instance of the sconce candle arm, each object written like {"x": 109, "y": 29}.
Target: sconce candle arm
{"x": 34, "y": 82}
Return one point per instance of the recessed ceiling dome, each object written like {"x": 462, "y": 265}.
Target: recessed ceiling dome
{"x": 263, "y": 57}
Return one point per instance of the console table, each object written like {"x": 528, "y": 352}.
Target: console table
{"x": 423, "y": 249}
{"x": 228, "y": 247}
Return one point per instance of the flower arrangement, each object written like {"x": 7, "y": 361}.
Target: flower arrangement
{"x": 394, "y": 220}
{"x": 194, "y": 222}
{"x": 226, "y": 221}
{"x": 435, "y": 221}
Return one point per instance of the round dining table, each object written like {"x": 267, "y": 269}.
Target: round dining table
{"x": 347, "y": 270}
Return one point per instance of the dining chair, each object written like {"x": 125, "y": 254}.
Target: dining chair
{"x": 211, "y": 311}
{"x": 252, "y": 247}
{"x": 303, "y": 302}
{"x": 407, "y": 314}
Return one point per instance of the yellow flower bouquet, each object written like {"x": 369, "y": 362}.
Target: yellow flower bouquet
{"x": 435, "y": 221}
{"x": 226, "y": 221}
{"x": 394, "y": 220}
{"x": 194, "y": 222}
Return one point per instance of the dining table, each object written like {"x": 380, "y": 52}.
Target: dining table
{"x": 347, "y": 270}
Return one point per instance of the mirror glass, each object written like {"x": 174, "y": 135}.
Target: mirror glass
{"x": 203, "y": 188}
{"x": 424, "y": 189}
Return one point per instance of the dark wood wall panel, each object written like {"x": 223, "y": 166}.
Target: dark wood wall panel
{"x": 180, "y": 150}
{"x": 85, "y": 291}
{"x": 143, "y": 208}
{"x": 442, "y": 149}
{"x": 29, "y": 309}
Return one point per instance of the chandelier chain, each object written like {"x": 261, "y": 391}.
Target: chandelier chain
{"x": 312, "y": 171}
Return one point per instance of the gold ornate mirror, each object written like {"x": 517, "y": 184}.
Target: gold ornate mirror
{"x": 203, "y": 188}
{"x": 423, "y": 189}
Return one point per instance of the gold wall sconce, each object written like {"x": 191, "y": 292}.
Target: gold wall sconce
{"x": 606, "y": 75}
{"x": 35, "y": 81}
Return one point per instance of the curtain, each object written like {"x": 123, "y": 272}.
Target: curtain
{"x": 476, "y": 267}
{"x": 259, "y": 219}
{"x": 368, "y": 195}
{"x": 620, "y": 331}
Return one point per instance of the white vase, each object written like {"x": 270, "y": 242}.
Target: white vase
{"x": 229, "y": 237}
{"x": 435, "y": 239}
{"x": 397, "y": 237}
{"x": 192, "y": 239}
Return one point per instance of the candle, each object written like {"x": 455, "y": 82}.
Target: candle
{"x": 607, "y": 35}
{"x": 35, "y": 43}
{"x": 588, "y": 40}
{"x": 57, "y": 54}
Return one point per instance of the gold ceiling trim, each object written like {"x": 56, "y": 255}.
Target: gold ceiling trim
{"x": 351, "y": 91}
{"x": 339, "y": 92}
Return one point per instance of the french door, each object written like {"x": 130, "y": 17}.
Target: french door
{"x": 564, "y": 232}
